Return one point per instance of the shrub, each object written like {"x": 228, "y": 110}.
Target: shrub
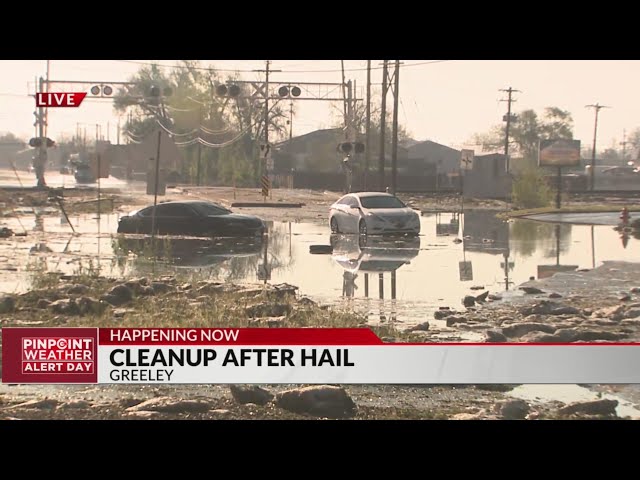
{"x": 530, "y": 190}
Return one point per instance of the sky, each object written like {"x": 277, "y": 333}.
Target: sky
{"x": 443, "y": 101}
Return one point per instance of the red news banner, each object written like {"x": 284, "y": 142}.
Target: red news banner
{"x": 306, "y": 355}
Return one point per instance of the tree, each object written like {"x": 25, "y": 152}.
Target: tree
{"x": 225, "y": 133}
{"x": 527, "y": 131}
{"x": 9, "y": 137}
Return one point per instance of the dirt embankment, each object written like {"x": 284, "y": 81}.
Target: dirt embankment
{"x": 543, "y": 314}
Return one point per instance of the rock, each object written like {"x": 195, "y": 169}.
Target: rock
{"x": 185, "y": 287}
{"x": 7, "y": 304}
{"x": 539, "y": 308}
{"x": 468, "y": 416}
{"x": 444, "y": 308}
{"x": 495, "y": 336}
{"x": 134, "y": 285}
{"x": 569, "y": 335}
{"x": 520, "y": 329}
{"x": 77, "y": 288}
{"x": 494, "y": 297}
{"x": 89, "y": 305}
{"x": 477, "y": 287}
{"x": 142, "y": 414}
{"x": 42, "y": 303}
{"x": 632, "y": 313}
{"x": 624, "y": 298}
{"x": 122, "y": 293}
{"x": 422, "y": 327}
{"x": 306, "y": 302}
{"x": 75, "y": 404}
{"x": 245, "y": 394}
{"x": 531, "y": 290}
{"x": 112, "y": 300}
{"x": 564, "y": 310}
{"x": 597, "y": 407}
{"x": 539, "y": 337}
{"x": 220, "y": 411}
{"x": 268, "y": 310}
{"x": 514, "y": 409}
{"x": 171, "y": 405}
{"x": 45, "y": 404}
{"x": 440, "y": 314}
{"x": 635, "y": 290}
{"x": 614, "y": 313}
{"x": 555, "y": 295}
{"x": 160, "y": 287}
{"x": 65, "y": 306}
{"x": 469, "y": 301}
{"x": 482, "y": 297}
{"x": 321, "y": 401}
{"x": 147, "y": 290}
{"x": 453, "y": 320}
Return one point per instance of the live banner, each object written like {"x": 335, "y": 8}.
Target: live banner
{"x": 296, "y": 355}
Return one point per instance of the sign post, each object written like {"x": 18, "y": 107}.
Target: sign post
{"x": 559, "y": 153}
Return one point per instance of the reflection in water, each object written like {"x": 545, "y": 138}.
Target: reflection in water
{"x": 545, "y": 271}
{"x": 410, "y": 277}
{"x": 529, "y": 237}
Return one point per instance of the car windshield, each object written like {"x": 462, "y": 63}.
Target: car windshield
{"x": 381, "y": 202}
{"x": 210, "y": 209}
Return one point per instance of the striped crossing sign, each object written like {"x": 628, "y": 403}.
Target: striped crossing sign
{"x": 266, "y": 185}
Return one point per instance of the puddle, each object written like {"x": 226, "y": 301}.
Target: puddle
{"x": 569, "y": 394}
{"x": 386, "y": 280}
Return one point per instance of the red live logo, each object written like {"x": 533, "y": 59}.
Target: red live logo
{"x": 51, "y": 99}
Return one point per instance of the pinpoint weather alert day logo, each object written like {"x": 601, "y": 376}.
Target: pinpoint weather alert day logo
{"x": 60, "y": 355}
{"x": 51, "y": 99}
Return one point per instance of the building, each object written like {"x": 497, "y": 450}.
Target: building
{"x": 445, "y": 159}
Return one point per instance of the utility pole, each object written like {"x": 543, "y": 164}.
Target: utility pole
{"x": 199, "y": 150}
{"x": 394, "y": 134}
{"x": 367, "y": 155}
{"x": 290, "y": 120}
{"x": 41, "y": 162}
{"x": 509, "y": 101}
{"x": 624, "y": 145}
{"x": 267, "y": 157}
{"x": 383, "y": 115}
{"x": 596, "y": 107}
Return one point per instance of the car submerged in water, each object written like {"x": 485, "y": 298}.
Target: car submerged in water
{"x": 193, "y": 219}
{"x": 373, "y": 213}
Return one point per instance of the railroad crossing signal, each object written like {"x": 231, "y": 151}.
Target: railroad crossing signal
{"x": 349, "y": 147}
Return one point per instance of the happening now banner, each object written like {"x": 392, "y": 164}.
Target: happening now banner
{"x": 304, "y": 355}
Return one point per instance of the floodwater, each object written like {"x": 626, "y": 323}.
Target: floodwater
{"x": 574, "y": 393}
{"x": 403, "y": 280}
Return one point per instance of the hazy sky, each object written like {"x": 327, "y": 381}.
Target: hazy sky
{"x": 445, "y": 101}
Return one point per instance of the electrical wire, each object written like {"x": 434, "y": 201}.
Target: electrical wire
{"x": 404, "y": 65}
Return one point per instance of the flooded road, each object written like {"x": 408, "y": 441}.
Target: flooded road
{"x": 386, "y": 279}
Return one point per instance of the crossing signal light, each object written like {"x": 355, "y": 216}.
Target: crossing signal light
{"x": 349, "y": 147}
{"x": 37, "y": 142}
{"x": 286, "y": 91}
{"x": 232, "y": 90}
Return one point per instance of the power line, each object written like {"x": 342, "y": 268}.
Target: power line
{"x": 233, "y": 70}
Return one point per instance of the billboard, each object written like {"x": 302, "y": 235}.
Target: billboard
{"x": 559, "y": 153}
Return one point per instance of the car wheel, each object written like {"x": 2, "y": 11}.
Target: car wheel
{"x": 334, "y": 225}
{"x": 362, "y": 227}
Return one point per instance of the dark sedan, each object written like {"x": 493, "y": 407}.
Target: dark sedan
{"x": 191, "y": 218}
